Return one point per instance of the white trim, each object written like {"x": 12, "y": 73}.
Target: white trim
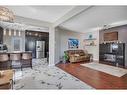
{"x": 72, "y": 13}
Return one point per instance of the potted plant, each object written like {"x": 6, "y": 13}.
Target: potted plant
{"x": 65, "y": 57}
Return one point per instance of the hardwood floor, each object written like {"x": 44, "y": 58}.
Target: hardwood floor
{"x": 96, "y": 79}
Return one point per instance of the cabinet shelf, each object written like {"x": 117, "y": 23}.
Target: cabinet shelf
{"x": 90, "y": 39}
{"x": 90, "y": 42}
{"x": 90, "y": 45}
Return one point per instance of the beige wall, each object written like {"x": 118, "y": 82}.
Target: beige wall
{"x": 65, "y": 35}
{"x": 92, "y": 49}
{"x": 7, "y": 39}
{"x": 61, "y": 41}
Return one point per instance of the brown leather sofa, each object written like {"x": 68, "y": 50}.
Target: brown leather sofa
{"x": 77, "y": 56}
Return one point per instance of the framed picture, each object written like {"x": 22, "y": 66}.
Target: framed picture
{"x": 73, "y": 43}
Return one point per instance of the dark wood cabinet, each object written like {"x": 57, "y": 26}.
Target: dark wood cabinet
{"x": 112, "y": 53}
{"x": 1, "y": 35}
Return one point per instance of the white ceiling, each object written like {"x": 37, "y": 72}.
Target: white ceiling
{"x": 95, "y": 17}
{"x": 88, "y": 20}
{"x": 43, "y": 13}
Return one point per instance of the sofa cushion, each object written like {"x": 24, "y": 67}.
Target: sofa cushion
{"x": 81, "y": 53}
{"x": 76, "y": 55}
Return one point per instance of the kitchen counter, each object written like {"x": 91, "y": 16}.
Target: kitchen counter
{"x": 15, "y": 52}
{"x": 7, "y": 57}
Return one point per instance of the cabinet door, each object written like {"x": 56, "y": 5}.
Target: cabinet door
{"x": 121, "y": 54}
{"x": 121, "y": 48}
{"x": 30, "y": 46}
{"x": 104, "y": 48}
{"x": 120, "y": 61}
{"x": 16, "y": 44}
{"x": 1, "y": 35}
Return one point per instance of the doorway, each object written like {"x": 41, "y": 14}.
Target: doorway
{"x": 31, "y": 39}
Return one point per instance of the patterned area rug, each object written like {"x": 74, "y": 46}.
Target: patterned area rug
{"x": 112, "y": 70}
{"x": 43, "y": 76}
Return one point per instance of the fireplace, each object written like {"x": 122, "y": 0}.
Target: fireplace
{"x": 110, "y": 58}
{"x": 112, "y": 53}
